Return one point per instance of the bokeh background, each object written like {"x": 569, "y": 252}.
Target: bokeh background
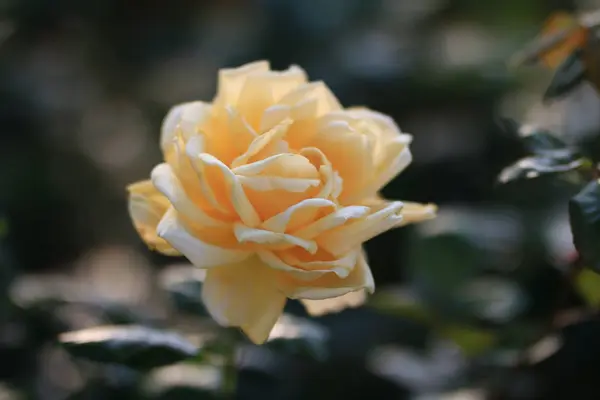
{"x": 465, "y": 302}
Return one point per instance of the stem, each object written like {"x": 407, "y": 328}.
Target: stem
{"x": 229, "y": 382}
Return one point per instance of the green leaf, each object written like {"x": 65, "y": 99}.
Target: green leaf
{"x": 400, "y": 303}
{"x": 584, "y": 214}
{"x": 567, "y": 76}
{"x": 540, "y": 141}
{"x": 183, "y": 381}
{"x": 555, "y": 162}
{"x": 133, "y": 346}
{"x": 300, "y": 338}
{"x": 184, "y": 286}
{"x": 588, "y": 286}
{"x": 472, "y": 341}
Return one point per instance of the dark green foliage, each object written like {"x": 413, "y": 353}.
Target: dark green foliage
{"x": 133, "y": 346}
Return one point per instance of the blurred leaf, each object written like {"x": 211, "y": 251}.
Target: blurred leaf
{"x": 533, "y": 167}
{"x": 183, "y": 381}
{"x": 398, "y": 302}
{"x": 568, "y": 75}
{"x": 494, "y": 300}
{"x": 440, "y": 266}
{"x": 133, "y": 346}
{"x": 588, "y": 286}
{"x": 184, "y": 286}
{"x": 540, "y": 141}
{"x": 472, "y": 341}
{"x": 299, "y": 337}
{"x": 584, "y": 214}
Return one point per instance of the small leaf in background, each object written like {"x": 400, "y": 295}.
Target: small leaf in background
{"x": 400, "y": 303}
{"x": 183, "y": 381}
{"x": 299, "y": 337}
{"x": 494, "y": 300}
{"x": 184, "y": 286}
{"x": 533, "y": 167}
{"x": 588, "y": 286}
{"x": 568, "y": 75}
{"x": 472, "y": 341}
{"x": 133, "y": 346}
{"x": 584, "y": 214}
{"x": 540, "y": 141}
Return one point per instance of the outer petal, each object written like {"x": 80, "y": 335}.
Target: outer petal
{"x": 201, "y": 254}
{"x": 185, "y": 118}
{"x": 231, "y": 81}
{"x": 329, "y": 285}
{"x": 349, "y": 300}
{"x": 341, "y": 240}
{"x": 244, "y": 295}
{"x": 416, "y": 212}
{"x": 146, "y": 208}
{"x": 165, "y": 180}
{"x": 411, "y": 212}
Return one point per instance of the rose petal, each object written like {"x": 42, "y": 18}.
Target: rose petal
{"x": 298, "y": 215}
{"x": 341, "y": 240}
{"x": 232, "y": 80}
{"x": 265, "y": 144}
{"x": 201, "y": 254}
{"x": 184, "y": 118}
{"x": 146, "y": 208}
{"x": 245, "y": 234}
{"x": 275, "y": 262}
{"x": 416, "y": 212}
{"x": 318, "y": 308}
{"x": 327, "y": 102}
{"x": 329, "y": 285}
{"x": 165, "y": 180}
{"x": 340, "y": 266}
{"x": 331, "y": 221}
{"x": 231, "y": 188}
{"x": 243, "y": 295}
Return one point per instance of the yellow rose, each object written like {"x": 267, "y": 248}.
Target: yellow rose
{"x": 273, "y": 188}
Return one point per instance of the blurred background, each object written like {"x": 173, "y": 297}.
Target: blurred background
{"x": 464, "y": 302}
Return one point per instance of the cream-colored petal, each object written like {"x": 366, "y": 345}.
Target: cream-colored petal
{"x": 232, "y": 80}
{"x": 201, "y": 254}
{"x": 273, "y": 116}
{"x": 327, "y": 102}
{"x": 193, "y": 149}
{"x": 329, "y": 285}
{"x": 290, "y": 172}
{"x": 331, "y": 221}
{"x": 340, "y": 266}
{"x": 244, "y": 295}
{"x": 298, "y": 215}
{"x": 396, "y": 159}
{"x": 285, "y": 165}
{"x": 341, "y": 240}
{"x": 275, "y": 262}
{"x": 245, "y": 234}
{"x": 255, "y": 97}
{"x": 350, "y": 153}
{"x": 165, "y": 180}
{"x": 263, "y": 142}
{"x": 146, "y": 208}
{"x": 318, "y": 308}
{"x": 237, "y": 196}
{"x": 268, "y": 183}
{"x": 239, "y": 129}
{"x": 332, "y": 184}
{"x": 415, "y": 212}
{"x": 184, "y": 118}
